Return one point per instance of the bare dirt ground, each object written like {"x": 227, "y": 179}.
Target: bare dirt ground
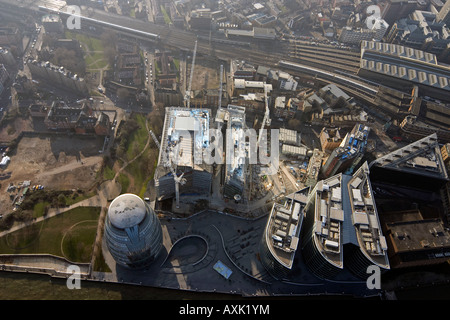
{"x": 10, "y": 131}
{"x": 56, "y": 162}
{"x": 206, "y": 74}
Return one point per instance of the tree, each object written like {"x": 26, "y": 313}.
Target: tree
{"x": 61, "y": 199}
{"x": 69, "y": 60}
{"x": 122, "y": 93}
{"x": 109, "y": 39}
{"x": 110, "y": 54}
{"x": 48, "y": 40}
{"x": 294, "y": 124}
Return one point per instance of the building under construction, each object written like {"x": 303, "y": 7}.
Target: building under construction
{"x": 185, "y": 137}
{"x": 347, "y": 156}
{"x": 236, "y": 165}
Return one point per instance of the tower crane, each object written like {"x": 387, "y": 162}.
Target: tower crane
{"x": 187, "y": 95}
{"x": 266, "y": 119}
{"x": 220, "y": 86}
{"x": 155, "y": 139}
{"x": 179, "y": 180}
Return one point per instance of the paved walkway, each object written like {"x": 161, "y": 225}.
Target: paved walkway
{"x": 234, "y": 241}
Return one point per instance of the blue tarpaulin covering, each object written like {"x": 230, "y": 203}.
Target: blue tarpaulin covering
{"x": 222, "y": 269}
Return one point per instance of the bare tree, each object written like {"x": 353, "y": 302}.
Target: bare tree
{"x": 122, "y": 93}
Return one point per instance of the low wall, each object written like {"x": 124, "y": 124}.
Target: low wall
{"x": 43, "y": 264}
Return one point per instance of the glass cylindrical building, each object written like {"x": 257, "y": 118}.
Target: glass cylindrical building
{"x": 133, "y": 232}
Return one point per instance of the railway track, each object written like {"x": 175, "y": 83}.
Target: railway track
{"x": 332, "y": 54}
{"x": 324, "y": 58}
{"x": 318, "y": 56}
{"x": 324, "y": 63}
{"x": 323, "y": 47}
{"x": 345, "y": 54}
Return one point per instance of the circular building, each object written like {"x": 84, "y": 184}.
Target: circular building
{"x": 132, "y": 231}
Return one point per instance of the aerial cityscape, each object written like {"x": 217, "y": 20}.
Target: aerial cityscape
{"x": 255, "y": 149}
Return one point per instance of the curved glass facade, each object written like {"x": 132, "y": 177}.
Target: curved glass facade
{"x": 136, "y": 244}
{"x": 314, "y": 259}
{"x": 275, "y": 268}
{"x": 281, "y": 235}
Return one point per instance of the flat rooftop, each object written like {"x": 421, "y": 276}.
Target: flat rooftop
{"x": 328, "y": 219}
{"x": 283, "y": 227}
{"x": 314, "y": 165}
{"x": 185, "y": 132}
{"x": 419, "y": 235}
{"x": 288, "y": 136}
{"x": 236, "y": 164}
{"x": 421, "y": 157}
{"x": 365, "y": 218}
{"x": 354, "y": 143}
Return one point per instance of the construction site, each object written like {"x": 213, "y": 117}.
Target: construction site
{"x": 54, "y": 162}
{"x": 233, "y": 186}
{"x": 184, "y": 183}
{"x": 185, "y": 134}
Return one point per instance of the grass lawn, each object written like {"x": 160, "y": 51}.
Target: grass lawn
{"x": 139, "y": 169}
{"x": 137, "y": 141}
{"x": 78, "y": 228}
{"x": 177, "y": 63}
{"x": 124, "y": 182}
{"x": 39, "y": 209}
{"x": 94, "y": 58}
{"x": 78, "y": 242}
{"x": 108, "y": 173}
{"x": 93, "y": 44}
{"x": 140, "y": 176}
{"x": 166, "y": 16}
{"x": 72, "y": 200}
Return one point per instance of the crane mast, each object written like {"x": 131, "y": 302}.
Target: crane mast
{"x": 266, "y": 120}
{"x": 168, "y": 163}
{"x": 187, "y": 96}
{"x": 155, "y": 139}
{"x": 220, "y": 86}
